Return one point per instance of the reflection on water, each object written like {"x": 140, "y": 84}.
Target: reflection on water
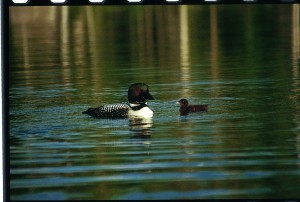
{"x": 295, "y": 70}
{"x": 184, "y": 51}
{"x": 141, "y": 126}
{"x": 66, "y": 59}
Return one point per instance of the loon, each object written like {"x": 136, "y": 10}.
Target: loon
{"x": 138, "y": 94}
{"x": 185, "y": 108}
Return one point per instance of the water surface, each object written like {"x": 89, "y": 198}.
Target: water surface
{"x": 243, "y": 61}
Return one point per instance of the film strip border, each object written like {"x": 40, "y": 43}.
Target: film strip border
{"x": 142, "y": 2}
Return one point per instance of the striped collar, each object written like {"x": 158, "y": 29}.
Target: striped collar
{"x": 137, "y": 106}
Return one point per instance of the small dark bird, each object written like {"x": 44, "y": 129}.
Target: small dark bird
{"x": 185, "y": 108}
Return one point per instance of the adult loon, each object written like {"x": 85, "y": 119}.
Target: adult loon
{"x": 138, "y": 94}
{"x": 185, "y": 108}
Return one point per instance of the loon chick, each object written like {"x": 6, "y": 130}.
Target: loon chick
{"x": 138, "y": 94}
{"x": 185, "y": 108}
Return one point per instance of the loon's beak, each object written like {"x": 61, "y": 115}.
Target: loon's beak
{"x": 150, "y": 97}
{"x": 177, "y": 103}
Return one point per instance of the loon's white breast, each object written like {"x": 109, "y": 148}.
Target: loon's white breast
{"x": 143, "y": 112}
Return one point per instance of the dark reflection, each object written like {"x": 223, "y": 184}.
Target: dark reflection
{"x": 141, "y": 127}
{"x": 183, "y": 120}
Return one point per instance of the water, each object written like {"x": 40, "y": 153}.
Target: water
{"x": 64, "y": 60}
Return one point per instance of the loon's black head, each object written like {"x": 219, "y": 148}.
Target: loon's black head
{"x": 139, "y": 93}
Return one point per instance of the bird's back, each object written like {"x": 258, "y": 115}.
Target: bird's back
{"x": 109, "y": 111}
{"x": 197, "y": 108}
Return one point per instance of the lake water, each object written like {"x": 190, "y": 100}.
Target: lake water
{"x": 243, "y": 61}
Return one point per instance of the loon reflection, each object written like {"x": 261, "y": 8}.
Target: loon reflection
{"x": 140, "y": 126}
